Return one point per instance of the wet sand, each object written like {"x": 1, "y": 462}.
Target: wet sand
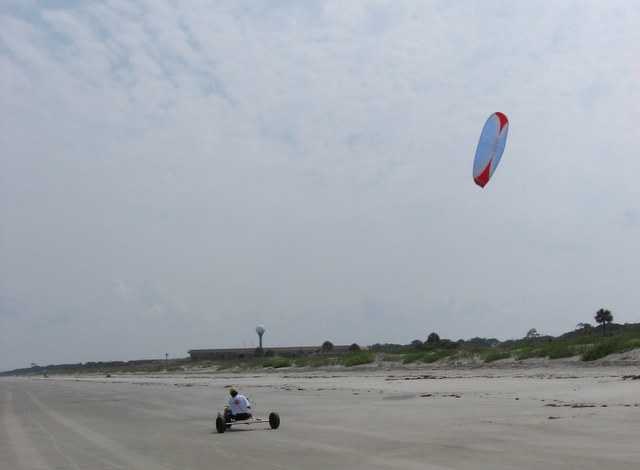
{"x": 538, "y": 415}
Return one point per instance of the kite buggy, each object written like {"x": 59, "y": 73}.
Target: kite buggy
{"x": 225, "y": 420}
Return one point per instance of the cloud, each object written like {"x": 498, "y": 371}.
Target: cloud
{"x": 151, "y": 300}
{"x": 309, "y": 165}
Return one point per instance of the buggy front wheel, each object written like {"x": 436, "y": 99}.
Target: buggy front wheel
{"x": 221, "y": 424}
{"x": 274, "y": 420}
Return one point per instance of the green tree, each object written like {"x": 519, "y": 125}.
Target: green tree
{"x": 532, "y": 333}
{"x": 327, "y": 346}
{"x": 604, "y": 316}
{"x": 433, "y": 338}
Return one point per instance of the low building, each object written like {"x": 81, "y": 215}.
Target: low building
{"x": 239, "y": 353}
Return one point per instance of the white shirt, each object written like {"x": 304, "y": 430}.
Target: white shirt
{"x": 239, "y": 404}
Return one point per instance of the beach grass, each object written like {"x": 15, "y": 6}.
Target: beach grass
{"x": 497, "y": 355}
{"x": 277, "y": 363}
{"x": 613, "y": 345}
{"x": 359, "y": 358}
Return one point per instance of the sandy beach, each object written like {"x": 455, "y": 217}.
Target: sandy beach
{"x": 532, "y": 414}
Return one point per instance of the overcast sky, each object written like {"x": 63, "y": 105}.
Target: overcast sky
{"x": 173, "y": 174}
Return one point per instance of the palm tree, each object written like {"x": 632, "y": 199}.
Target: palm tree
{"x": 603, "y": 316}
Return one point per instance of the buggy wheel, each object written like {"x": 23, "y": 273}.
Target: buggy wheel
{"x": 274, "y": 420}
{"x": 221, "y": 425}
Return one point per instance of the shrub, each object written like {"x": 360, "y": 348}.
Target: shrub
{"x": 558, "y": 350}
{"x": 447, "y": 344}
{"x": 585, "y": 338}
{"x": 250, "y": 364}
{"x": 391, "y": 357}
{"x": 617, "y": 344}
{"x": 277, "y": 363}
{"x": 433, "y": 356}
{"x": 327, "y": 346}
{"x": 412, "y": 357}
{"x": 426, "y": 356}
{"x": 597, "y": 351}
{"x": 364, "y": 357}
{"x": 497, "y": 355}
{"x": 316, "y": 361}
{"x": 528, "y": 351}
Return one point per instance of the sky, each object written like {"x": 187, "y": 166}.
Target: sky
{"x": 173, "y": 174}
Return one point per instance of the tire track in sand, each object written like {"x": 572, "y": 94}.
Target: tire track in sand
{"x": 119, "y": 456}
{"x": 27, "y": 454}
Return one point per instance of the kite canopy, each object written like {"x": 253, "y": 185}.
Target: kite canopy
{"x": 490, "y": 147}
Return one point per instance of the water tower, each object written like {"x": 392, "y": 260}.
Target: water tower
{"x": 260, "y": 330}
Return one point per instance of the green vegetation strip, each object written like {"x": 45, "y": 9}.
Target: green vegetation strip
{"x": 586, "y": 343}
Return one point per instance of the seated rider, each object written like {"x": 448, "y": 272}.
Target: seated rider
{"x": 239, "y": 405}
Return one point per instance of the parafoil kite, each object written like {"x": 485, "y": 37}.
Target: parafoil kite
{"x": 490, "y": 148}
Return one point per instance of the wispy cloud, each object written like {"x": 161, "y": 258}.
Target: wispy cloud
{"x": 310, "y": 164}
